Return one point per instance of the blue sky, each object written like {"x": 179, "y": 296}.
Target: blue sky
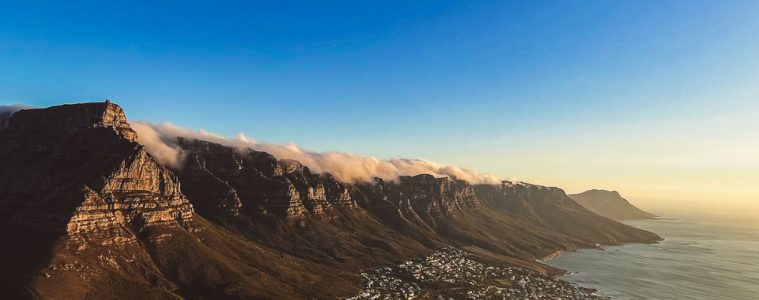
{"x": 536, "y": 90}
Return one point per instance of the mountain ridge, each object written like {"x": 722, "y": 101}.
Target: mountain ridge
{"x": 105, "y": 219}
{"x": 610, "y": 204}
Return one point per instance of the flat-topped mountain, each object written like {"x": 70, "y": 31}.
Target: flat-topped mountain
{"x": 86, "y": 212}
{"x": 610, "y": 204}
{"x": 89, "y": 213}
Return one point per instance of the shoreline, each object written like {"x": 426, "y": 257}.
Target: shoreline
{"x": 553, "y": 255}
{"x": 556, "y": 254}
{"x": 602, "y": 247}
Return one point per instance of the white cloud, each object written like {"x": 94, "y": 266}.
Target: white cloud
{"x": 160, "y": 140}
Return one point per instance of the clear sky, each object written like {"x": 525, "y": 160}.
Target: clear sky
{"x": 656, "y": 99}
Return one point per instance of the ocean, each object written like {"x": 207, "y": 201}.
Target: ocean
{"x": 696, "y": 260}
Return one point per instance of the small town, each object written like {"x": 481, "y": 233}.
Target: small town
{"x": 450, "y": 274}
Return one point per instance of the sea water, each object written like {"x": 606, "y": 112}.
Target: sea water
{"x": 696, "y": 260}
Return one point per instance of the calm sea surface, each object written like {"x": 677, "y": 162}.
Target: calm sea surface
{"x": 697, "y": 260}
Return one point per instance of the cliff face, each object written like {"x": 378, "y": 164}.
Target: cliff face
{"x": 78, "y": 169}
{"x": 422, "y": 200}
{"x": 441, "y": 196}
{"x": 86, "y": 212}
{"x": 223, "y": 180}
{"x": 610, "y": 204}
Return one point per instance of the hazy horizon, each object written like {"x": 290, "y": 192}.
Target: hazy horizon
{"x": 656, "y": 100}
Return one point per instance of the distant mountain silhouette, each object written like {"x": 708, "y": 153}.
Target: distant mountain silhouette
{"x": 610, "y": 204}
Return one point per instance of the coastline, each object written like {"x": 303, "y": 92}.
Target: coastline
{"x": 553, "y": 255}
{"x": 693, "y": 251}
{"x": 556, "y": 254}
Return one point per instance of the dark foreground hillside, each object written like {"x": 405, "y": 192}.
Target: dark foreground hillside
{"x": 87, "y": 212}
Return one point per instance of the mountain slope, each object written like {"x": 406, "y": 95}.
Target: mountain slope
{"x": 610, "y": 204}
{"x": 281, "y": 201}
{"x": 91, "y": 214}
{"x": 85, "y": 212}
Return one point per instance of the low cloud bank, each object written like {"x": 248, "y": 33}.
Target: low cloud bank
{"x": 6, "y": 111}
{"x": 160, "y": 139}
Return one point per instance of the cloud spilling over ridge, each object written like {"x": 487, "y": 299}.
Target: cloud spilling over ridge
{"x": 6, "y": 111}
{"x": 160, "y": 139}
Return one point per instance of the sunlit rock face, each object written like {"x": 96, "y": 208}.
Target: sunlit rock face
{"x": 439, "y": 196}
{"x": 70, "y": 120}
{"x": 225, "y": 180}
{"x": 222, "y": 180}
{"x": 422, "y": 199}
{"x": 78, "y": 169}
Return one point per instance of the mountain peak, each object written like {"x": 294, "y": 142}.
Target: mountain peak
{"x": 70, "y": 118}
{"x": 610, "y": 204}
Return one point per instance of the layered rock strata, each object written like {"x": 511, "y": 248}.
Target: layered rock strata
{"x": 78, "y": 169}
{"x": 227, "y": 180}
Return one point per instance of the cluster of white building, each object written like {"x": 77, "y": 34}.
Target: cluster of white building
{"x": 380, "y": 284}
{"x": 450, "y": 274}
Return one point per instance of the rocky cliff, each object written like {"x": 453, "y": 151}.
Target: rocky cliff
{"x": 78, "y": 169}
{"x": 86, "y": 212}
{"x": 228, "y": 180}
{"x": 422, "y": 198}
{"x": 610, "y": 204}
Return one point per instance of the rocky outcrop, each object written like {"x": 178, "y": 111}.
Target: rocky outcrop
{"x": 70, "y": 120}
{"x": 210, "y": 194}
{"x": 227, "y": 181}
{"x": 610, "y": 204}
{"x": 442, "y": 196}
{"x": 78, "y": 169}
{"x": 422, "y": 198}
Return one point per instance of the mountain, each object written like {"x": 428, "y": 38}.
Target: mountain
{"x": 610, "y": 204}
{"x": 87, "y": 212}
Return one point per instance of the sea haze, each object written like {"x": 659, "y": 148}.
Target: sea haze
{"x": 697, "y": 260}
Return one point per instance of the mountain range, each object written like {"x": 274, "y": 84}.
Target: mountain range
{"x": 87, "y": 212}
